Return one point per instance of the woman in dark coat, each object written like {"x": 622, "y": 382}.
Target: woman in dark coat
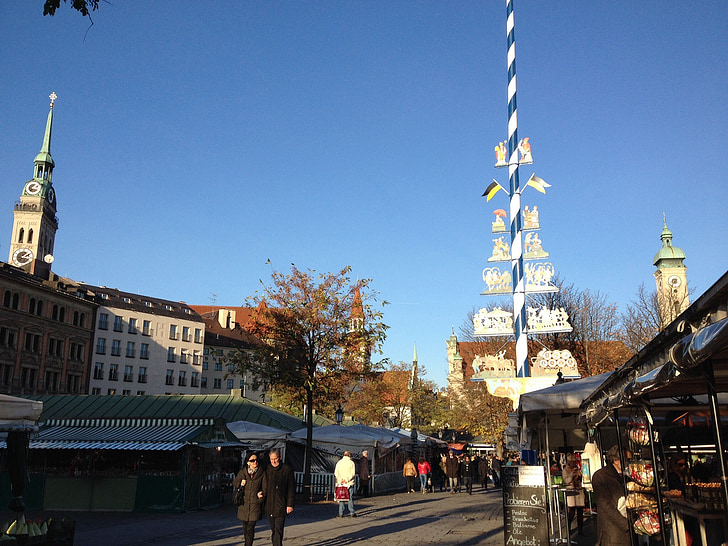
{"x": 252, "y": 478}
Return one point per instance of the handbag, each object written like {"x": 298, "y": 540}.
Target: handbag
{"x": 341, "y": 493}
{"x": 239, "y": 496}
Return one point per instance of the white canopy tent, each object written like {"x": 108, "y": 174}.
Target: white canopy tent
{"x": 336, "y": 439}
{"x": 19, "y": 414}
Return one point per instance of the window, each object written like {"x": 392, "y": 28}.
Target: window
{"x": 203, "y": 382}
{"x": 96, "y": 391}
{"x": 127, "y": 300}
{"x": 7, "y": 337}
{"x": 81, "y": 320}
{"x": 118, "y": 323}
{"x": 140, "y": 393}
{"x": 185, "y": 333}
{"x": 170, "y": 354}
{"x": 230, "y": 384}
{"x": 62, "y": 314}
{"x": 99, "y": 370}
{"x": 51, "y": 381}
{"x": 231, "y": 367}
{"x": 182, "y": 381}
{"x": 198, "y": 335}
{"x": 183, "y": 356}
{"x": 55, "y": 347}
{"x": 218, "y": 366}
{"x": 195, "y": 379}
{"x": 129, "y": 349}
{"x": 132, "y": 326}
{"x": 104, "y": 296}
{"x": 32, "y": 342}
{"x": 125, "y": 392}
{"x": 146, "y": 328}
{"x": 217, "y": 383}
{"x": 196, "y": 358}
{"x": 111, "y": 392}
{"x": 147, "y": 304}
{"x": 128, "y": 374}
{"x": 169, "y": 380}
{"x": 72, "y": 383}
{"x": 144, "y": 351}
{"x": 172, "y": 331}
{"x": 101, "y": 346}
{"x": 31, "y": 306}
{"x": 242, "y": 384}
{"x": 39, "y": 308}
{"x": 142, "y": 377}
{"x": 204, "y": 365}
{"x": 27, "y": 378}
{"x": 75, "y": 318}
{"x": 77, "y": 350}
{"x": 116, "y": 347}
{"x": 113, "y": 372}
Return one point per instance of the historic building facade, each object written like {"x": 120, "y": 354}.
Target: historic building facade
{"x": 670, "y": 279}
{"x": 46, "y": 322}
{"x": 225, "y": 335}
{"x": 145, "y": 345}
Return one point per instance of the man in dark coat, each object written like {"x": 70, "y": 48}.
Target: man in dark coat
{"x": 467, "y": 470}
{"x": 612, "y": 526}
{"x": 452, "y": 469}
{"x": 280, "y": 490}
{"x": 362, "y": 469}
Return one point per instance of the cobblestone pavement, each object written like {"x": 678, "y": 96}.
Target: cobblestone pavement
{"x": 395, "y": 520}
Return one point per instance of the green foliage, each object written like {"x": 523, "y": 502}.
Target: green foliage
{"x": 307, "y": 349}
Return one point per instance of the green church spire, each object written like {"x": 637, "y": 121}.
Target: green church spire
{"x": 43, "y": 161}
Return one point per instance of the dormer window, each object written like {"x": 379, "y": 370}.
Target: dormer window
{"x": 148, "y": 303}
{"x": 104, "y": 296}
{"x": 127, "y": 300}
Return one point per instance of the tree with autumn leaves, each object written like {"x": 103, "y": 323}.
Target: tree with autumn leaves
{"x": 314, "y": 344}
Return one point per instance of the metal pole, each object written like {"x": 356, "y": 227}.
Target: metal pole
{"x": 660, "y": 505}
{"x": 715, "y": 414}
{"x": 519, "y": 289}
{"x": 623, "y": 467}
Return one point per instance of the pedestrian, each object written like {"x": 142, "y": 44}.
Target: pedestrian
{"x": 495, "y": 466}
{"x": 254, "y": 482}
{"x": 677, "y": 472}
{"x": 483, "y": 471}
{"x": 363, "y": 470}
{"x": 612, "y": 526}
{"x": 279, "y": 492}
{"x": 423, "y": 469}
{"x": 410, "y": 473}
{"x": 452, "y": 469}
{"x": 466, "y": 473}
{"x": 574, "y": 492}
{"x": 345, "y": 475}
{"x": 443, "y": 473}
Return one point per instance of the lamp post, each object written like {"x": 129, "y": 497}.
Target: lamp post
{"x": 339, "y": 415}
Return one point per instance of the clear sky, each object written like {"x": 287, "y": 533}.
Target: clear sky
{"x": 194, "y": 141}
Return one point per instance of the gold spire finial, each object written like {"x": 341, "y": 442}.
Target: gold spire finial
{"x": 53, "y": 98}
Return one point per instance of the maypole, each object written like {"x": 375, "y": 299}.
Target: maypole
{"x": 519, "y": 291}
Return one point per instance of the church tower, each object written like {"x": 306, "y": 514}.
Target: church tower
{"x": 35, "y": 223}
{"x": 360, "y": 349}
{"x": 671, "y": 279}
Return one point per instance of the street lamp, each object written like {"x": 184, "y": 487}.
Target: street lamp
{"x": 339, "y": 415}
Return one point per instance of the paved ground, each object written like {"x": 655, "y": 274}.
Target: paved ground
{"x": 395, "y": 520}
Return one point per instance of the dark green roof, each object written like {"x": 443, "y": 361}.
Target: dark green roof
{"x": 230, "y": 408}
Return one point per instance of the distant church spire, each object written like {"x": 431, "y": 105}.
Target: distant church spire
{"x": 670, "y": 278}
{"x": 35, "y": 223}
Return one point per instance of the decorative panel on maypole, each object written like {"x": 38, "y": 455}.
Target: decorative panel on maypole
{"x": 530, "y": 270}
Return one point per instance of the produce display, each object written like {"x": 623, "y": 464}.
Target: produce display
{"x": 640, "y": 500}
{"x": 642, "y": 473}
{"x": 38, "y": 531}
{"x": 21, "y": 526}
{"x": 647, "y": 522}
{"x": 638, "y": 432}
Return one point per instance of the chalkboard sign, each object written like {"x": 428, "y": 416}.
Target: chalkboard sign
{"x": 525, "y": 514}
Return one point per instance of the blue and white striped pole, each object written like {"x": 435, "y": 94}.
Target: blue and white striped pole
{"x": 519, "y": 291}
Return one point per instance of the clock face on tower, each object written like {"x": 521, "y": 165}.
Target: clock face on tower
{"x": 674, "y": 281}
{"x": 32, "y": 188}
{"x": 51, "y": 195}
{"x": 22, "y": 256}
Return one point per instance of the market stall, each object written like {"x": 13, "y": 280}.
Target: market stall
{"x": 669, "y": 404}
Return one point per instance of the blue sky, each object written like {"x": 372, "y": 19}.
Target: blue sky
{"x": 195, "y": 141}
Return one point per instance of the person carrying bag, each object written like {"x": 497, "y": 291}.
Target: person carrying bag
{"x": 575, "y": 496}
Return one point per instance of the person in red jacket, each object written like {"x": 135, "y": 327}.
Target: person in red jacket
{"x": 423, "y": 469}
